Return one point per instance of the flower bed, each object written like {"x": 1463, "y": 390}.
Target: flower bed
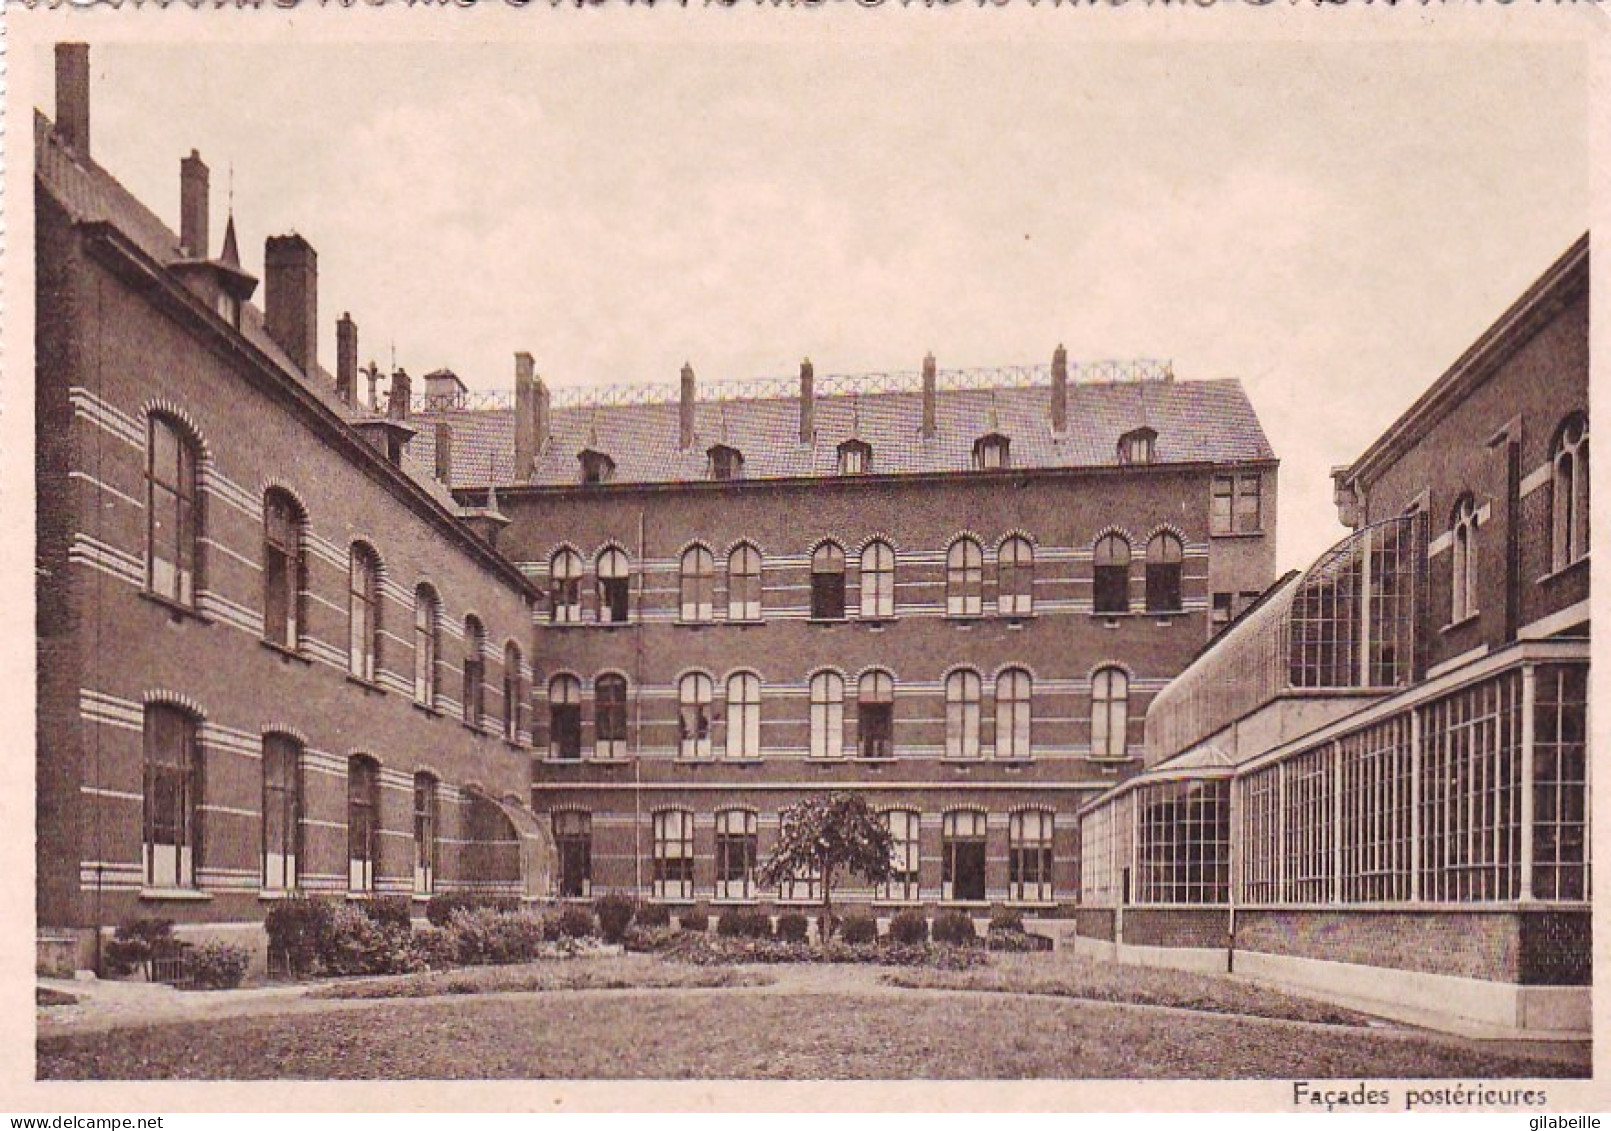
{"x": 718, "y": 950}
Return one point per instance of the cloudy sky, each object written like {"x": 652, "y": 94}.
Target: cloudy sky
{"x": 1333, "y": 225}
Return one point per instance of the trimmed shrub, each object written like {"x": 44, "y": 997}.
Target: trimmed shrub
{"x": 858, "y": 927}
{"x": 955, "y": 929}
{"x": 694, "y": 921}
{"x": 136, "y": 942}
{"x": 909, "y": 927}
{"x": 295, "y": 925}
{"x": 577, "y": 922}
{"x": 217, "y": 965}
{"x": 487, "y": 936}
{"x": 435, "y": 948}
{"x": 743, "y": 923}
{"x": 394, "y": 912}
{"x": 793, "y": 927}
{"x": 615, "y": 916}
{"x": 441, "y": 907}
{"x": 1006, "y": 919}
{"x": 650, "y": 915}
{"x": 647, "y": 939}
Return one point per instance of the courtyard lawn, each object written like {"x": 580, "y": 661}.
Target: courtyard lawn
{"x": 629, "y": 971}
{"x": 1065, "y": 975}
{"x": 765, "y": 1033}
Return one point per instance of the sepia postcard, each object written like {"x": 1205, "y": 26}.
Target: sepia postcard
{"x": 848, "y": 557}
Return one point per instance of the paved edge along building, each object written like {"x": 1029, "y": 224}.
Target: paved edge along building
{"x": 1375, "y": 783}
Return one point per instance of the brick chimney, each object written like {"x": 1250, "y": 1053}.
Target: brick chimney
{"x": 685, "y": 414}
{"x": 444, "y": 453}
{"x": 929, "y": 383}
{"x": 526, "y": 445}
{"x": 1059, "y": 389}
{"x": 397, "y": 404}
{"x": 808, "y": 403}
{"x": 292, "y": 298}
{"x": 347, "y": 360}
{"x": 73, "y": 96}
{"x": 193, "y": 217}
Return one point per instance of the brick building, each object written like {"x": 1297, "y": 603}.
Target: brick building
{"x": 1376, "y": 781}
{"x": 953, "y": 592}
{"x": 274, "y": 653}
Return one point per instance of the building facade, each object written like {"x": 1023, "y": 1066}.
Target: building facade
{"x": 274, "y": 654}
{"x": 954, "y": 593}
{"x": 1376, "y": 781}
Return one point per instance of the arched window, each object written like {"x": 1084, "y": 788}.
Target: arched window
{"x": 363, "y": 612}
{"x": 875, "y": 714}
{"x": 1111, "y": 569}
{"x": 565, "y": 587}
{"x": 902, "y": 885}
{"x": 828, "y": 582}
{"x": 475, "y": 672}
{"x": 962, "y": 856}
{"x": 744, "y": 583}
{"x": 284, "y": 569}
{"x": 1569, "y": 492}
{"x": 735, "y": 854}
{"x": 610, "y": 716}
{"x": 964, "y": 579}
{"x": 743, "y": 715}
{"x": 855, "y": 457}
{"x": 282, "y": 811}
{"x": 614, "y": 579}
{"x": 514, "y": 691}
{"x": 363, "y": 822}
{"x": 697, "y": 584}
{"x": 1138, "y": 446}
{"x": 425, "y": 826}
{"x": 992, "y": 452}
{"x": 1015, "y": 578}
{"x": 1110, "y": 714}
{"x": 674, "y": 854}
{"x": 827, "y": 715}
{"x": 573, "y": 836}
{"x": 173, "y": 512}
{"x": 565, "y": 717}
{"x": 427, "y": 645}
{"x": 173, "y": 791}
{"x": 1463, "y": 575}
{"x": 694, "y": 692}
{"x": 1029, "y": 857}
{"x": 962, "y": 691}
{"x": 878, "y": 580}
{"x": 1163, "y": 573}
{"x": 1013, "y": 690}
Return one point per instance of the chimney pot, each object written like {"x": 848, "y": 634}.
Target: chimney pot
{"x": 1059, "y": 389}
{"x": 73, "y": 96}
{"x": 808, "y": 402}
{"x": 347, "y": 360}
{"x": 929, "y": 386}
{"x": 193, "y": 205}
{"x": 685, "y": 416}
{"x": 292, "y": 298}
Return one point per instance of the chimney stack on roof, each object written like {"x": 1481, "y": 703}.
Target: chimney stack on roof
{"x": 808, "y": 403}
{"x": 444, "y": 453}
{"x": 347, "y": 360}
{"x": 292, "y": 298}
{"x": 930, "y": 380}
{"x": 193, "y": 241}
{"x": 397, "y": 405}
{"x": 73, "y": 96}
{"x": 1059, "y": 389}
{"x": 685, "y": 414}
{"x": 531, "y": 415}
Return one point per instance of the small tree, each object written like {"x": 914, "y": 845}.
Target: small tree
{"x": 825, "y": 835}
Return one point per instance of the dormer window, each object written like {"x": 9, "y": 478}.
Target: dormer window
{"x": 992, "y": 452}
{"x": 726, "y": 462}
{"x": 855, "y": 458}
{"x": 1139, "y": 446}
{"x": 596, "y": 467}
{"x": 228, "y": 308}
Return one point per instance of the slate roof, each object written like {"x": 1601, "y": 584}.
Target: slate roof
{"x": 89, "y": 194}
{"x": 1195, "y": 421}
